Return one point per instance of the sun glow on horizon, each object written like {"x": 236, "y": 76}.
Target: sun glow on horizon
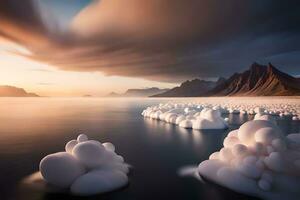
{"x": 47, "y": 80}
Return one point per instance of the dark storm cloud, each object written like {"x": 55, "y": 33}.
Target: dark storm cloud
{"x": 20, "y": 20}
{"x": 166, "y": 40}
{"x": 22, "y": 13}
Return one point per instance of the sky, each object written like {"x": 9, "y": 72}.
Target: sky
{"x": 80, "y": 47}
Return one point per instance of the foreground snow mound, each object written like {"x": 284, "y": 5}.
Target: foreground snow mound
{"x": 87, "y": 167}
{"x": 257, "y": 160}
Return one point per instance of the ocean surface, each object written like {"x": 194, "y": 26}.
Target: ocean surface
{"x": 31, "y": 128}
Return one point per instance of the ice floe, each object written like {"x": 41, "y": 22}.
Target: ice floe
{"x": 206, "y": 114}
{"x": 258, "y": 160}
{"x": 188, "y": 117}
{"x": 86, "y": 167}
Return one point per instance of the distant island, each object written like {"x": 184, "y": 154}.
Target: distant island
{"x": 139, "y": 92}
{"x": 258, "y": 80}
{"x": 87, "y": 95}
{"x": 11, "y": 91}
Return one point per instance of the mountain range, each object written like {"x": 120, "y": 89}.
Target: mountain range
{"x": 191, "y": 88}
{"x": 258, "y": 80}
{"x": 139, "y": 92}
{"x": 11, "y": 91}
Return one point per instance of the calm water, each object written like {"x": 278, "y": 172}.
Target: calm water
{"x": 31, "y": 128}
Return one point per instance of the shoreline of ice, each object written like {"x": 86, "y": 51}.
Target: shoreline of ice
{"x": 206, "y": 113}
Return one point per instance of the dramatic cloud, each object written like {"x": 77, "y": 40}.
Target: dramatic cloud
{"x": 20, "y": 22}
{"x": 166, "y": 40}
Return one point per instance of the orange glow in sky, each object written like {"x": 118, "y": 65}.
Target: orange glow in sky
{"x": 47, "y": 80}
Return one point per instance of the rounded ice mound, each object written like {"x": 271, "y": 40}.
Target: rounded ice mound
{"x": 264, "y": 117}
{"x": 186, "y": 123}
{"x": 55, "y": 166}
{"x": 257, "y": 160}
{"x": 87, "y": 167}
{"x": 209, "y": 119}
{"x": 295, "y": 118}
{"x": 82, "y": 138}
{"x": 188, "y": 115}
{"x": 109, "y": 146}
{"x": 90, "y": 154}
{"x": 70, "y": 145}
{"x": 246, "y": 132}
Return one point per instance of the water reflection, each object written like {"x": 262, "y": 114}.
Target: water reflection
{"x": 33, "y": 128}
{"x": 173, "y": 133}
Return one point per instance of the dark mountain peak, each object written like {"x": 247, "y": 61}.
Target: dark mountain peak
{"x": 270, "y": 65}
{"x": 194, "y": 81}
{"x": 221, "y": 80}
{"x": 259, "y": 80}
{"x": 272, "y": 69}
{"x": 255, "y": 67}
{"x": 269, "y": 68}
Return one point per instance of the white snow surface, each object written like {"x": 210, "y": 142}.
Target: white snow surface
{"x": 258, "y": 160}
{"x": 86, "y": 167}
{"x": 205, "y": 113}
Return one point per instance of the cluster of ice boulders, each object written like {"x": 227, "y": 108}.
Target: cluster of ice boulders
{"x": 188, "y": 117}
{"x": 206, "y": 114}
{"x": 257, "y": 159}
{"x": 86, "y": 167}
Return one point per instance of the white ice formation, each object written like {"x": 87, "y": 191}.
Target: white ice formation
{"x": 86, "y": 167}
{"x": 195, "y": 117}
{"x": 206, "y": 113}
{"x": 258, "y": 160}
